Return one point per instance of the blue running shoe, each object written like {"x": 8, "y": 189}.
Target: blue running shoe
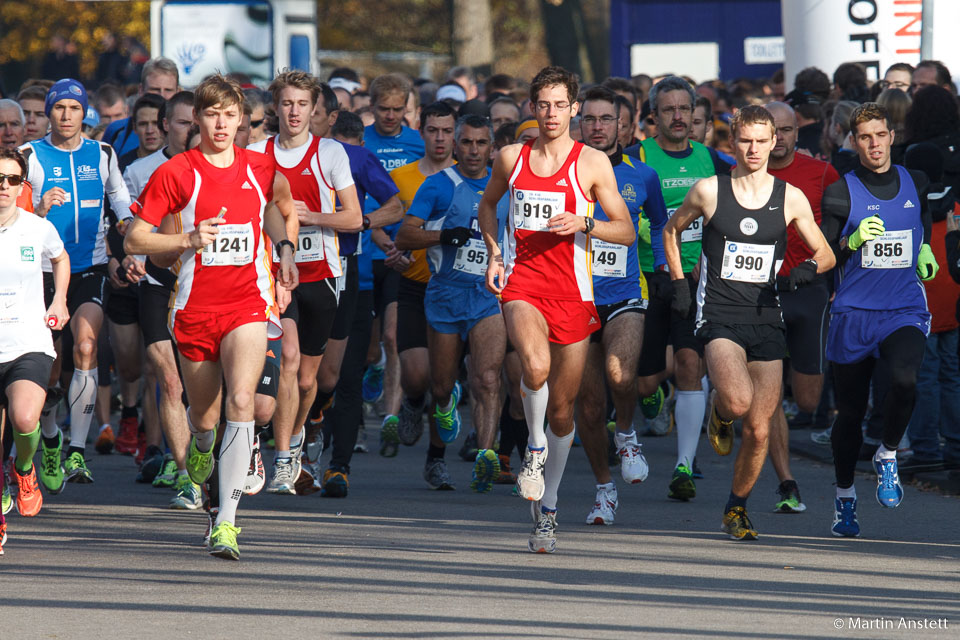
{"x": 486, "y": 470}
{"x": 845, "y": 523}
{"x": 889, "y": 489}
{"x": 448, "y": 422}
{"x": 372, "y": 387}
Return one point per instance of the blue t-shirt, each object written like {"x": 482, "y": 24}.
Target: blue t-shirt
{"x": 447, "y": 200}
{"x": 120, "y": 135}
{"x": 392, "y": 151}
{"x": 372, "y": 182}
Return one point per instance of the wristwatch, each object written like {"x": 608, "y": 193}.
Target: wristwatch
{"x": 280, "y": 245}
{"x": 366, "y": 223}
{"x": 588, "y": 224}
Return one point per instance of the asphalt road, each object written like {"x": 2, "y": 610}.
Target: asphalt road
{"x": 397, "y": 560}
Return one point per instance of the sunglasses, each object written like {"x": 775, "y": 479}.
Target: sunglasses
{"x": 256, "y": 123}
{"x": 12, "y": 180}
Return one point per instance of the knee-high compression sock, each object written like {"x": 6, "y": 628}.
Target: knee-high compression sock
{"x": 559, "y": 448}
{"x": 689, "y": 414}
{"x": 81, "y": 398}
{"x": 535, "y": 410}
{"x": 27, "y": 444}
{"x": 48, "y": 418}
{"x": 235, "y": 451}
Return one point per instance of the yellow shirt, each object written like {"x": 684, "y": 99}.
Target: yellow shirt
{"x": 408, "y": 179}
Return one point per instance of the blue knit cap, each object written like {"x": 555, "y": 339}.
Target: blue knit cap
{"x": 66, "y": 89}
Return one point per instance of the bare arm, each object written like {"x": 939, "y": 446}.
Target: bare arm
{"x": 487, "y": 215}
{"x": 412, "y": 235}
{"x": 275, "y": 227}
{"x": 699, "y": 200}
{"x": 389, "y": 212}
{"x": 800, "y": 215}
{"x": 596, "y": 174}
{"x": 284, "y": 203}
{"x": 61, "y": 280}
{"x": 348, "y": 217}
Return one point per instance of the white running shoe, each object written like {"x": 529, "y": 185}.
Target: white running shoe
{"x": 256, "y": 476}
{"x": 633, "y": 466}
{"x": 530, "y": 479}
{"x": 605, "y": 507}
{"x": 284, "y": 479}
{"x": 543, "y": 538}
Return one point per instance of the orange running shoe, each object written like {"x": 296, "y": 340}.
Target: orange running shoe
{"x": 105, "y": 440}
{"x": 29, "y": 498}
{"x": 3, "y": 536}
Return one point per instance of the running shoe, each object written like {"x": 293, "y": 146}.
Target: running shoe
{"x": 187, "y": 496}
{"x": 436, "y": 474}
{"x": 372, "y": 387}
{"x": 212, "y": 513}
{"x": 256, "y": 477}
{"x": 199, "y": 463}
{"x": 284, "y": 478}
{"x": 737, "y": 524}
{"x": 314, "y": 448}
{"x": 167, "y": 478}
{"x": 7, "y": 500}
{"x": 29, "y": 498}
{"x": 448, "y": 422}
{"x": 695, "y": 470}
{"x": 790, "y": 501}
{"x": 335, "y": 483}
{"x": 127, "y": 440}
{"x": 410, "y": 423}
{"x": 223, "y": 541}
{"x": 75, "y": 469}
{"x": 360, "y": 446}
{"x": 105, "y": 440}
{"x": 845, "y": 524}
{"x": 468, "y": 452}
{"x": 682, "y": 486}
{"x": 486, "y": 470}
{"x": 51, "y": 471}
{"x": 633, "y": 466}
{"x": 3, "y": 536}
{"x": 613, "y": 458}
{"x": 389, "y": 439}
{"x": 308, "y": 482}
{"x": 651, "y": 406}
{"x": 151, "y": 466}
{"x": 889, "y": 489}
{"x": 720, "y": 434}
{"x": 662, "y": 424}
{"x": 530, "y": 479}
{"x": 822, "y": 437}
{"x": 543, "y": 538}
{"x": 605, "y": 506}
{"x": 506, "y": 475}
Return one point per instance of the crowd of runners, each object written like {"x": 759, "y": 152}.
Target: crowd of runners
{"x": 603, "y": 263}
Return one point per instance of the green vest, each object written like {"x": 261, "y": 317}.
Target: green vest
{"x": 676, "y": 178}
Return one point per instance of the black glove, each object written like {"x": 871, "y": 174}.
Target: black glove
{"x": 456, "y": 237}
{"x": 681, "y": 298}
{"x": 803, "y": 274}
{"x": 659, "y": 287}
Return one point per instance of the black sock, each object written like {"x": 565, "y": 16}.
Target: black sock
{"x": 786, "y": 485}
{"x": 72, "y": 448}
{"x": 51, "y": 443}
{"x": 735, "y": 501}
{"x": 128, "y": 412}
{"x": 416, "y": 402}
{"x": 435, "y": 453}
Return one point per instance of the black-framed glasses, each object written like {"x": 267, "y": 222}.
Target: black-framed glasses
{"x": 12, "y": 179}
{"x": 604, "y": 120}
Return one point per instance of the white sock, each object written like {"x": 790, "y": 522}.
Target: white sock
{"x": 559, "y": 449}
{"x": 535, "y": 411}
{"x": 235, "y": 452}
{"x": 849, "y": 492}
{"x": 205, "y": 439}
{"x": 689, "y": 411}
{"x": 48, "y": 423}
{"x": 885, "y": 454}
{"x": 81, "y": 398}
{"x": 297, "y": 438}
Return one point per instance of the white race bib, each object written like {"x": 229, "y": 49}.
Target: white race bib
{"x": 744, "y": 262}
{"x": 609, "y": 259}
{"x": 232, "y": 247}
{"x": 532, "y": 210}
{"x": 309, "y": 246}
{"x": 693, "y": 233}
{"x": 9, "y": 309}
{"x": 892, "y": 250}
{"x": 472, "y": 258}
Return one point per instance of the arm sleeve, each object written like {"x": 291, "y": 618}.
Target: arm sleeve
{"x": 656, "y": 211}
{"x": 426, "y": 201}
{"x": 719, "y": 166}
{"x": 115, "y": 241}
{"x": 52, "y": 243}
{"x": 835, "y": 209}
{"x": 114, "y": 187}
{"x": 376, "y": 181}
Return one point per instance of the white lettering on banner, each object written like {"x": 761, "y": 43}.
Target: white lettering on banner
{"x": 609, "y": 259}
{"x": 532, "y": 210}
{"x": 233, "y": 246}
{"x": 892, "y": 250}
{"x": 745, "y": 262}
{"x": 763, "y": 50}
{"x": 472, "y": 258}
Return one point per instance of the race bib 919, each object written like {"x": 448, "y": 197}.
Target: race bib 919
{"x": 532, "y": 210}
{"x": 232, "y": 247}
{"x": 892, "y": 250}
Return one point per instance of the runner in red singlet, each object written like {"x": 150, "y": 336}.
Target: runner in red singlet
{"x": 543, "y": 277}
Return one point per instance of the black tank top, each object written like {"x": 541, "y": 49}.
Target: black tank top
{"x": 741, "y": 254}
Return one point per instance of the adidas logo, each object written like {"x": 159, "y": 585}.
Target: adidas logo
{"x": 562, "y": 182}
{"x": 592, "y": 321}
{"x": 246, "y": 185}
{"x": 306, "y": 172}
{"x": 908, "y": 205}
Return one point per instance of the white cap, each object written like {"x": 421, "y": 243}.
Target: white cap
{"x": 342, "y": 83}
{"x": 453, "y": 91}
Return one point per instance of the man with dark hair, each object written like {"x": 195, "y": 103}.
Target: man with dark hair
{"x": 146, "y": 124}
{"x": 899, "y": 75}
{"x": 497, "y": 86}
{"x": 110, "y": 103}
{"x": 502, "y": 111}
{"x": 932, "y": 72}
{"x": 466, "y": 79}
{"x": 850, "y": 81}
{"x": 878, "y": 223}
{"x": 627, "y": 114}
{"x": 36, "y": 123}
{"x": 738, "y": 315}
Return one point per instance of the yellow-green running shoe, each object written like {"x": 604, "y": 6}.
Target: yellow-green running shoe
{"x": 51, "y": 471}
{"x": 75, "y": 469}
{"x": 199, "y": 464}
{"x": 167, "y": 478}
{"x": 188, "y": 495}
{"x": 7, "y": 500}
{"x": 223, "y": 541}
{"x": 486, "y": 470}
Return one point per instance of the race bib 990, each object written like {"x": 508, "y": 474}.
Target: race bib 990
{"x": 532, "y": 210}
{"x": 232, "y": 247}
{"x": 609, "y": 259}
{"x": 744, "y": 262}
{"x": 892, "y": 250}
{"x": 472, "y": 258}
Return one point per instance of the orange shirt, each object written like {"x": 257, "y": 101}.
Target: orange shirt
{"x": 408, "y": 179}
{"x": 25, "y": 201}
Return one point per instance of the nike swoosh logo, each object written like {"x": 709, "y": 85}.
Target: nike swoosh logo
{"x": 774, "y": 208}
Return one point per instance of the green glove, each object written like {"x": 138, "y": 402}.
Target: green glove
{"x": 644, "y": 231}
{"x": 927, "y": 266}
{"x": 869, "y": 229}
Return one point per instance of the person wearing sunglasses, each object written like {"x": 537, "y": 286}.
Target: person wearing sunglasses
{"x": 26, "y": 345}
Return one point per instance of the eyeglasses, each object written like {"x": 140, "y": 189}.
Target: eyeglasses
{"x": 604, "y": 120}
{"x": 894, "y": 84}
{"x": 559, "y": 106}
{"x": 12, "y": 180}
{"x": 649, "y": 121}
{"x": 256, "y": 123}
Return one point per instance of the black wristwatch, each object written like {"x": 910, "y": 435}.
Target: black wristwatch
{"x": 589, "y": 224}
{"x": 280, "y": 245}
{"x": 366, "y": 223}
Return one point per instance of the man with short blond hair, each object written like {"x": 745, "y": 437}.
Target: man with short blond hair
{"x": 159, "y": 76}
